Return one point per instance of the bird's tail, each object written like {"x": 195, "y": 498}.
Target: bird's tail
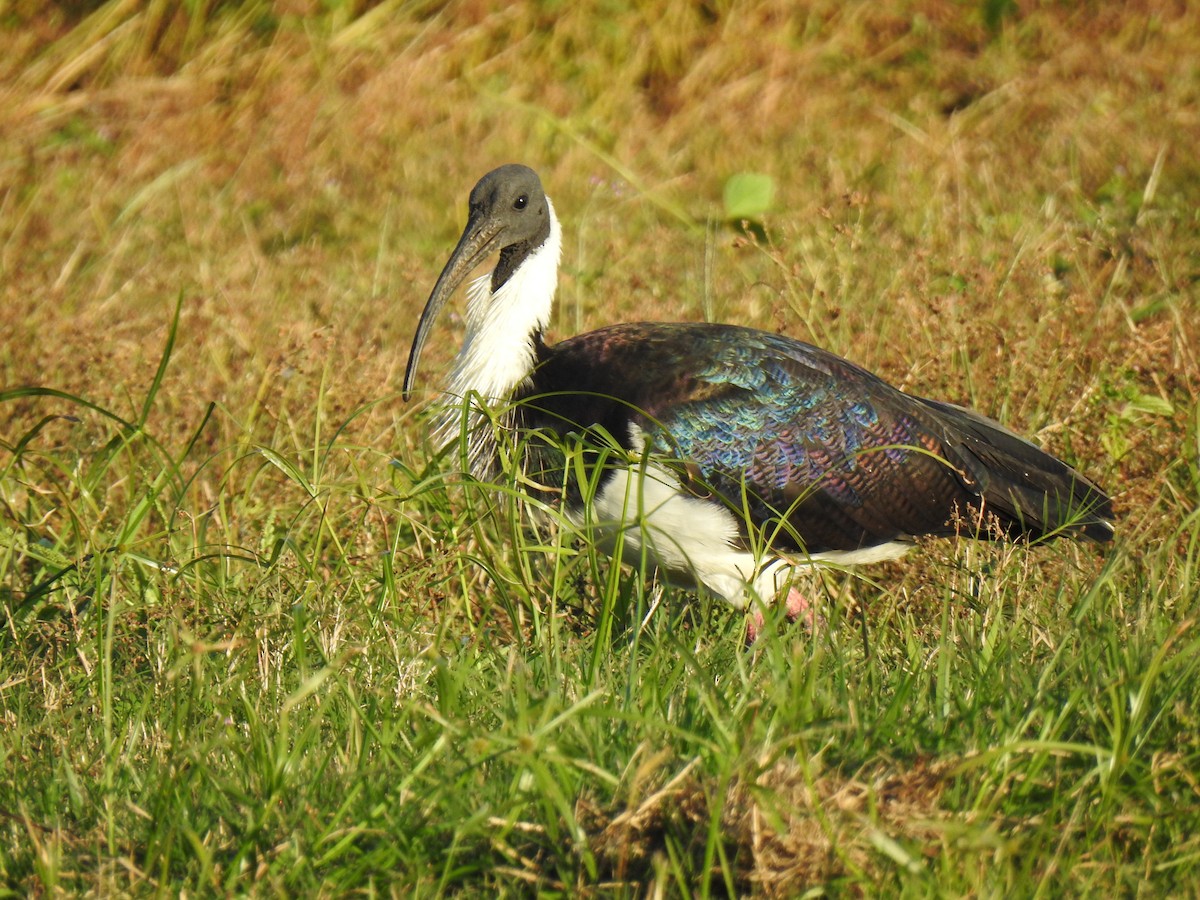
{"x": 1033, "y": 494}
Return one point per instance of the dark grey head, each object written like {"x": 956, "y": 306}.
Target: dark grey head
{"x": 508, "y": 212}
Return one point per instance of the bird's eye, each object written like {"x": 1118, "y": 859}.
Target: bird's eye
{"x": 520, "y": 202}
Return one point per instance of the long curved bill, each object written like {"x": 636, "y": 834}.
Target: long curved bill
{"x": 477, "y": 241}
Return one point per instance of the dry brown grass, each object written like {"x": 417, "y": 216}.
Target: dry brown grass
{"x": 792, "y": 827}
{"x": 300, "y": 194}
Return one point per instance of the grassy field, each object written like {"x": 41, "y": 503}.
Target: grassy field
{"x": 256, "y": 639}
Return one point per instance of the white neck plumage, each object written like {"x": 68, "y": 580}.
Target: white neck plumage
{"x": 498, "y": 352}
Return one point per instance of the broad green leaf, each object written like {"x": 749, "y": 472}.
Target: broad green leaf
{"x": 748, "y": 195}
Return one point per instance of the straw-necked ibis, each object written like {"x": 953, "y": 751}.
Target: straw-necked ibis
{"x": 733, "y": 455}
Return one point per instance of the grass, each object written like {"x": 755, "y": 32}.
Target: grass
{"x": 257, "y": 638}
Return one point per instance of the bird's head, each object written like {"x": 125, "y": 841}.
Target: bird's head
{"x": 509, "y": 213}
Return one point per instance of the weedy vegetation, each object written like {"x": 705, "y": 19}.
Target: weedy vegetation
{"x": 257, "y": 635}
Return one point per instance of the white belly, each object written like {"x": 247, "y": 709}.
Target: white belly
{"x": 643, "y": 516}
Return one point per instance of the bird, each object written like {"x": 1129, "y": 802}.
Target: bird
{"x": 731, "y": 458}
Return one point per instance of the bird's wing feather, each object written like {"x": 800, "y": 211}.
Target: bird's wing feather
{"x": 799, "y": 437}
{"x": 835, "y": 455}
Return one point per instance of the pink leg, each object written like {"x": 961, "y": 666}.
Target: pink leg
{"x": 797, "y": 606}
{"x": 754, "y": 625}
